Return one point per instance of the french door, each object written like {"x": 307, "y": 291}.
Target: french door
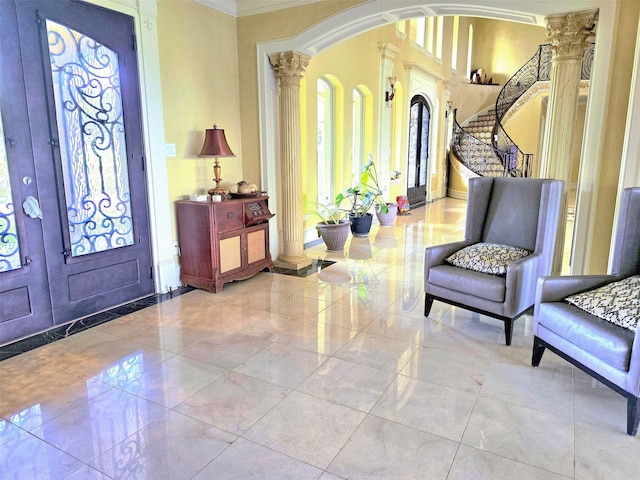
{"x": 74, "y": 235}
{"x": 419, "y": 122}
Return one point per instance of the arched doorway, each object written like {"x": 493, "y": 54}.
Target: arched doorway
{"x": 418, "y": 152}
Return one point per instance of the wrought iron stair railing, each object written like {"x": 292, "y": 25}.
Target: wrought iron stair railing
{"x": 478, "y": 156}
{"x": 513, "y": 160}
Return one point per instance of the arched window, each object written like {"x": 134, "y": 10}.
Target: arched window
{"x": 418, "y": 33}
{"x": 325, "y": 140}
{"x": 469, "y": 52}
{"x": 439, "y": 35}
{"x": 401, "y": 26}
{"x": 454, "y": 44}
{"x": 418, "y": 161}
{"x": 429, "y": 35}
{"x": 357, "y": 133}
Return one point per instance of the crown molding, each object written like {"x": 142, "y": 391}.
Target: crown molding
{"x": 239, "y": 8}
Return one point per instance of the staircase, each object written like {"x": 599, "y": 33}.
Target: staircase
{"x": 482, "y": 145}
{"x": 481, "y": 126}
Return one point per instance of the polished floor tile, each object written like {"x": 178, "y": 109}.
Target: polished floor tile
{"x": 306, "y": 428}
{"x": 333, "y": 375}
{"x": 382, "y": 449}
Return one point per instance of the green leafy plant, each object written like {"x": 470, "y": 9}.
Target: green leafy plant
{"x": 329, "y": 213}
{"x": 360, "y": 198}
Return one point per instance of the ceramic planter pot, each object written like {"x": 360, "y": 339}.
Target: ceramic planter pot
{"x": 360, "y": 226}
{"x": 334, "y": 235}
{"x": 386, "y": 219}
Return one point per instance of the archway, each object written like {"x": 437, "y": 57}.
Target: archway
{"x": 377, "y": 13}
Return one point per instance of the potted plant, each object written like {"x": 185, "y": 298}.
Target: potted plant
{"x": 361, "y": 198}
{"x": 333, "y": 226}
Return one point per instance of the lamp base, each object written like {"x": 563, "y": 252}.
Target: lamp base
{"x": 216, "y": 172}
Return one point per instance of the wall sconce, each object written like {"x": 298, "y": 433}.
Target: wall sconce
{"x": 215, "y": 145}
{"x": 447, "y": 112}
{"x": 389, "y": 94}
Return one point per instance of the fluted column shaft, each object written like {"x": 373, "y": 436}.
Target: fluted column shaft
{"x": 289, "y": 68}
{"x": 569, "y": 35}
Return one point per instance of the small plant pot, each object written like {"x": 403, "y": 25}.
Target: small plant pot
{"x": 386, "y": 219}
{"x": 360, "y": 226}
{"x": 334, "y": 235}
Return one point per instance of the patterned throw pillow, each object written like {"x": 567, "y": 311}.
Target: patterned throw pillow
{"x": 487, "y": 257}
{"x": 617, "y": 302}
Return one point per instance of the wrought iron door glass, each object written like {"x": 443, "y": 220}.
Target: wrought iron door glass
{"x": 86, "y": 84}
{"x": 413, "y": 144}
{"x": 424, "y": 145}
{"x": 9, "y": 245}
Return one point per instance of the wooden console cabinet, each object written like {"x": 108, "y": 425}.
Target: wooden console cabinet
{"x": 223, "y": 242}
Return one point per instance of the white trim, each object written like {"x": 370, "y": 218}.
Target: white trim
{"x": 593, "y": 139}
{"x": 424, "y": 83}
{"x": 239, "y": 8}
{"x": 145, "y": 13}
{"x": 630, "y": 166}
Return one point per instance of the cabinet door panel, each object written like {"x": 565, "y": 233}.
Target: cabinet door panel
{"x": 230, "y": 254}
{"x": 256, "y": 246}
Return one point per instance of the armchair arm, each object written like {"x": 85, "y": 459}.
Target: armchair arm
{"x": 633, "y": 378}
{"x": 555, "y": 289}
{"x": 521, "y": 283}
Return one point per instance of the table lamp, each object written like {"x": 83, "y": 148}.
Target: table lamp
{"x": 215, "y": 145}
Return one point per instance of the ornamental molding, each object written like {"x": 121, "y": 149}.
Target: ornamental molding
{"x": 570, "y": 34}
{"x": 289, "y": 67}
{"x": 388, "y": 51}
{"x": 535, "y": 90}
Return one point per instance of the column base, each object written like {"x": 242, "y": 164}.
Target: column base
{"x": 297, "y": 262}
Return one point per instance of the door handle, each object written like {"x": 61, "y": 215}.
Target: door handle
{"x": 31, "y": 207}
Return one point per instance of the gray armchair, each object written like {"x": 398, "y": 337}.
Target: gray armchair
{"x": 517, "y": 212}
{"x": 606, "y": 351}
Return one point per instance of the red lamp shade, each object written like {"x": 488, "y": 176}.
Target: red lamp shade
{"x": 215, "y": 143}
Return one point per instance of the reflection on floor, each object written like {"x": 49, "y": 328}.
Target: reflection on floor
{"x": 334, "y": 375}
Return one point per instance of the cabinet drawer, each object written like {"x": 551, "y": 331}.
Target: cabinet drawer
{"x": 228, "y": 217}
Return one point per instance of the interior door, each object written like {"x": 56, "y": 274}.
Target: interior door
{"x": 78, "y": 67}
{"x": 419, "y": 122}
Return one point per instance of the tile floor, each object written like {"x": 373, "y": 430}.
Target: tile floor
{"x": 333, "y": 376}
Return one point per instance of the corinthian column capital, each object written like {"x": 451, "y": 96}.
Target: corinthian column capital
{"x": 569, "y": 33}
{"x": 289, "y": 67}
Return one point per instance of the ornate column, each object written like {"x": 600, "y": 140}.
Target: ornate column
{"x": 569, "y": 35}
{"x": 288, "y": 68}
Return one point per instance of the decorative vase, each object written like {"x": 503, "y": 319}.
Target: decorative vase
{"x": 334, "y": 235}
{"x": 360, "y": 226}
{"x": 403, "y": 205}
{"x": 386, "y": 219}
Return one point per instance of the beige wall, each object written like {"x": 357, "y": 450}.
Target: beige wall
{"x": 266, "y": 27}
{"x": 199, "y": 88}
{"x": 500, "y": 48}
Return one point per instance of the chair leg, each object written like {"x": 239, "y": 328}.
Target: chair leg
{"x": 428, "y": 303}
{"x": 633, "y": 415}
{"x": 538, "y": 350}
{"x": 508, "y": 330}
